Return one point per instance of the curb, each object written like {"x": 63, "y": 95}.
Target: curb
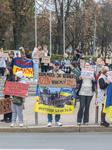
{"x": 82, "y": 128}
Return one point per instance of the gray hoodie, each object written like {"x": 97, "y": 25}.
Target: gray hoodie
{"x": 34, "y": 57}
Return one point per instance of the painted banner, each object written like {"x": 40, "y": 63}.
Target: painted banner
{"x": 46, "y": 59}
{"x": 109, "y": 74}
{"x": 55, "y": 100}
{"x": 5, "y": 106}
{"x": 16, "y": 89}
{"x": 4, "y": 55}
{"x": 82, "y": 63}
{"x": 40, "y": 54}
{"x": 56, "y": 79}
{"x": 23, "y": 65}
{"x": 101, "y": 62}
{"x": 108, "y": 61}
{"x": 89, "y": 73}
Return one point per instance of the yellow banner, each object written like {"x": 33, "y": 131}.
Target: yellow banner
{"x": 39, "y": 107}
{"x": 27, "y": 72}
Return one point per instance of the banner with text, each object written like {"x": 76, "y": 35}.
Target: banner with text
{"x": 87, "y": 73}
{"x": 57, "y": 98}
{"x": 40, "y": 54}
{"x": 16, "y": 89}
{"x": 5, "y": 106}
{"x": 23, "y": 65}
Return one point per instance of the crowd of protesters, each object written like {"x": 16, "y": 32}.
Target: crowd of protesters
{"x": 85, "y": 86}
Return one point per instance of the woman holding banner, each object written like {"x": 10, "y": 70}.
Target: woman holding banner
{"x": 86, "y": 89}
{"x": 10, "y": 77}
{"x": 103, "y": 83}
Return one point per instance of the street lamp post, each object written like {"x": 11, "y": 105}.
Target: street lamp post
{"x": 94, "y": 35}
{"x": 63, "y": 28}
{"x": 35, "y": 24}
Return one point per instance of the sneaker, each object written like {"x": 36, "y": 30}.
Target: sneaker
{"x": 104, "y": 124}
{"x": 86, "y": 123}
{"x": 107, "y": 123}
{"x": 13, "y": 124}
{"x": 78, "y": 123}
{"x": 8, "y": 120}
{"x": 58, "y": 124}
{"x": 3, "y": 120}
{"x": 21, "y": 124}
{"x": 49, "y": 124}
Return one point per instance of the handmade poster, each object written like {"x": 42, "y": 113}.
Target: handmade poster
{"x": 46, "y": 59}
{"x": 23, "y": 65}
{"x": 108, "y": 61}
{"x": 82, "y": 63}
{"x": 109, "y": 74}
{"x": 5, "y": 106}
{"x": 4, "y": 55}
{"x": 17, "y": 54}
{"x": 40, "y": 54}
{"x": 56, "y": 79}
{"x": 55, "y": 100}
{"x": 101, "y": 62}
{"x": 87, "y": 73}
{"x": 16, "y": 89}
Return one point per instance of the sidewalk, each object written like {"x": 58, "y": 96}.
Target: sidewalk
{"x": 69, "y": 121}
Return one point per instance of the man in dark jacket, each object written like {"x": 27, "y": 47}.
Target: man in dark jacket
{"x": 76, "y": 55}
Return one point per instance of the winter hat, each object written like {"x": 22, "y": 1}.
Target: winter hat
{"x": 19, "y": 74}
{"x": 21, "y": 48}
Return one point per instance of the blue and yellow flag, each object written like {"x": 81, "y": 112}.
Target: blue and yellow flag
{"x": 108, "y": 102}
{"x": 23, "y": 65}
{"x": 54, "y": 100}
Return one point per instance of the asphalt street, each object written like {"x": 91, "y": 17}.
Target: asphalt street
{"x": 50, "y": 141}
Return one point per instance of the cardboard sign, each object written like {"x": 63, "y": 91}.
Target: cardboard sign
{"x": 109, "y": 74}
{"x": 17, "y": 54}
{"x": 4, "y": 55}
{"x": 101, "y": 62}
{"x": 16, "y": 89}
{"x": 5, "y": 106}
{"x": 56, "y": 79}
{"x": 40, "y": 54}
{"x": 108, "y": 61}
{"x": 87, "y": 73}
{"x": 82, "y": 63}
{"x": 46, "y": 59}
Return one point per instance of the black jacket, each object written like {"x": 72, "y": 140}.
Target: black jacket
{"x": 76, "y": 57}
{"x": 28, "y": 55}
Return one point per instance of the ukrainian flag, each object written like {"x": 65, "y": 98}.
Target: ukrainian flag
{"x": 26, "y": 66}
{"x": 65, "y": 92}
{"x": 108, "y": 102}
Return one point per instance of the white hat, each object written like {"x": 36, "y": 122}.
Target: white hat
{"x": 19, "y": 74}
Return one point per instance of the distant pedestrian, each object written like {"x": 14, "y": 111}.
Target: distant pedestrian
{"x": 10, "y": 58}
{"x": 2, "y": 64}
{"x": 86, "y": 89}
{"x": 74, "y": 69}
{"x": 103, "y": 83}
{"x": 90, "y": 60}
{"x": 98, "y": 66}
{"x": 36, "y": 62}
{"x": 79, "y": 60}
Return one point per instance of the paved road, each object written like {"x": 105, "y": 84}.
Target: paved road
{"x": 65, "y": 141}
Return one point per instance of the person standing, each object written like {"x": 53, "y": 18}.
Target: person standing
{"x": 36, "y": 62}
{"x": 17, "y": 110}
{"x": 65, "y": 64}
{"x": 103, "y": 83}
{"x": 56, "y": 66}
{"x": 86, "y": 89}
{"x": 45, "y": 66}
{"x": 10, "y": 77}
{"x": 76, "y": 55}
{"x": 90, "y": 60}
{"x": 107, "y": 64}
{"x": 27, "y": 53}
{"x": 10, "y": 58}
{"x": 2, "y": 64}
{"x": 98, "y": 66}
{"x": 73, "y": 67}
{"x": 79, "y": 60}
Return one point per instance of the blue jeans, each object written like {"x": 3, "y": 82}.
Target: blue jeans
{"x": 36, "y": 69}
{"x": 57, "y": 118}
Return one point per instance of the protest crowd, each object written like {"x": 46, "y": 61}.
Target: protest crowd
{"x": 91, "y": 77}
